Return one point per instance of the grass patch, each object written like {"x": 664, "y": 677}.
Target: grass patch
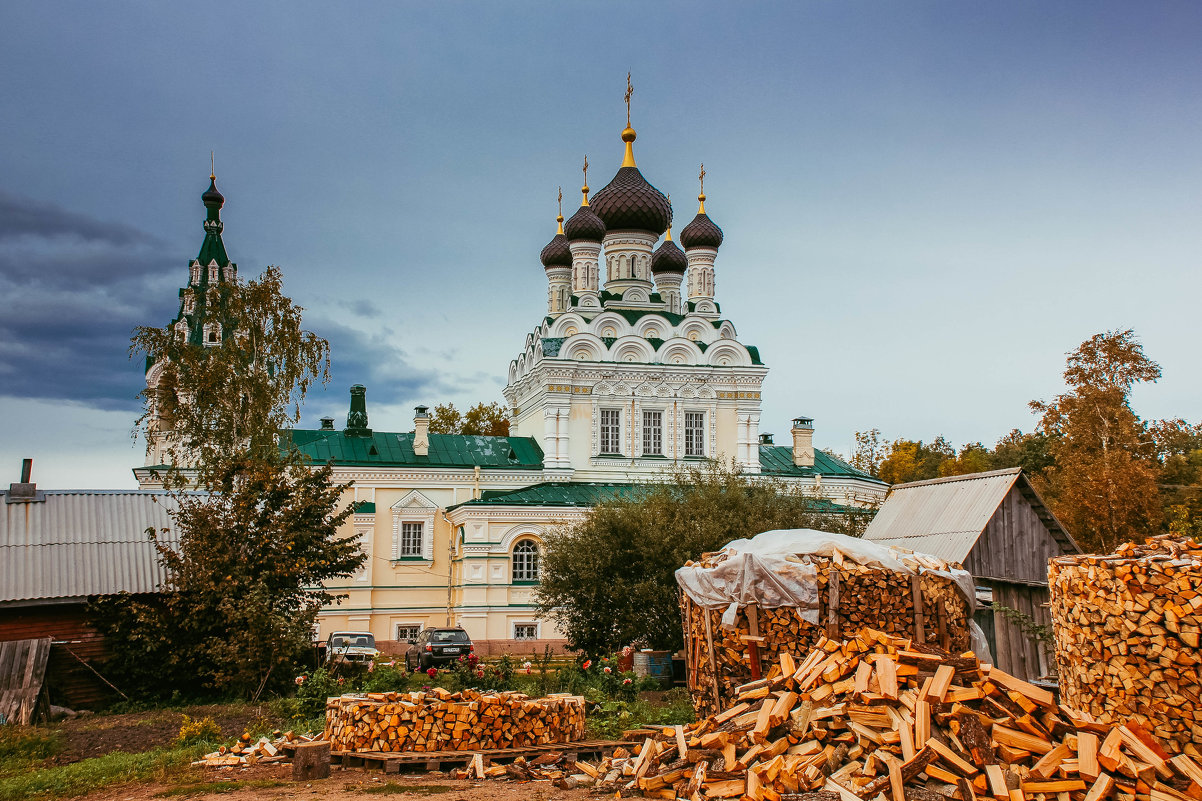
{"x": 22, "y": 747}
{"x": 200, "y": 788}
{"x": 89, "y": 775}
{"x": 615, "y": 717}
{"x": 392, "y": 788}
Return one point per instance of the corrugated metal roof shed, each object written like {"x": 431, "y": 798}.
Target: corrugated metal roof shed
{"x": 945, "y": 516}
{"x": 81, "y": 542}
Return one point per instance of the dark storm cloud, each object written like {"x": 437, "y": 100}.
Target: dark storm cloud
{"x": 73, "y": 288}
{"x": 374, "y": 360}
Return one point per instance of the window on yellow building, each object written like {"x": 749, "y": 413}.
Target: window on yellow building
{"x": 525, "y": 561}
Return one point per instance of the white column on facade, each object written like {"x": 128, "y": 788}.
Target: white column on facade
{"x": 585, "y": 257}
{"x": 628, "y": 260}
{"x": 559, "y": 282}
{"x": 701, "y": 273}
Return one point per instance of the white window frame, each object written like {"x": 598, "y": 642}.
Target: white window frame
{"x": 414, "y": 508}
{"x": 700, "y": 434}
{"x": 601, "y": 431}
{"x": 413, "y": 534}
{"x": 396, "y": 629}
{"x": 653, "y": 430}
{"x": 513, "y": 630}
{"x": 513, "y": 562}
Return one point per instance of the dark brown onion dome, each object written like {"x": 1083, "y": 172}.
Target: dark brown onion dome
{"x": 584, "y": 226}
{"x": 211, "y": 196}
{"x": 556, "y": 253}
{"x": 629, "y": 203}
{"x": 668, "y": 259}
{"x": 701, "y": 233}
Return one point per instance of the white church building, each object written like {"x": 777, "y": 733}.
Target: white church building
{"x": 631, "y": 371}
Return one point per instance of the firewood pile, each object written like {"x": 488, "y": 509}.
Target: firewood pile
{"x": 923, "y": 606}
{"x": 248, "y": 751}
{"x": 882, "y": 716}
{"x": 1127, "y": 627}
{"x": 443, "y": 721}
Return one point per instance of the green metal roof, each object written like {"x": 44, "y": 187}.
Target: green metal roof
{"x": 212, "y": 249}
{"x": 554, "y": 493}
{"x": 777, "y": 460}
{"x": 446, "y": 450}
{"x": 577, "y": 494}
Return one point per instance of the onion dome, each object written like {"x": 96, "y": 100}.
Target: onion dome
{"x": 701, "y": 232}
{"x": 668, "y": 258}
{"x": 557, "y": 253}
{"x": 629, "y": 202}
{"x": 585, "y": 226}
{"x": 211, "y": 197}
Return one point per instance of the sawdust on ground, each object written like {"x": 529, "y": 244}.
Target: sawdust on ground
{"x": 274, "y": 783}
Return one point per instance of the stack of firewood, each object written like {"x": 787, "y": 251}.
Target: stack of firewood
{"x": 1127, "y": 629}
{"x": 249, "y": 751}
{"x": 881, "y": 716}
{"x": 443, "y": 721}
{"x": 926, "y": 607}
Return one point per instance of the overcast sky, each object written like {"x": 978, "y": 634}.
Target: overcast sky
{"x": 926, "y": 205}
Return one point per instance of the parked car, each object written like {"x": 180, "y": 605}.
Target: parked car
{"x": 437, "y": 647}
{"x": 355, "y": 647}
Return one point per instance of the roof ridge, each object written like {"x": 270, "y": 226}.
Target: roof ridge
{"x": 962, "y": 477}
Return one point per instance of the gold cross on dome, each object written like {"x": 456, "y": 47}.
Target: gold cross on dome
{"x": 560, "y": 201}
{"x": 586, "y": 168}
{"x": 629, "y": 92}
{"x": 701, "y": 178}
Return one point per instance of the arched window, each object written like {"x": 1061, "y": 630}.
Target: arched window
{"x": 525, "y": 561}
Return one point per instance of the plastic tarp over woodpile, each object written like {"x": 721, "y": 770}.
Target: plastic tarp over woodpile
{"x": 781, "y": 590}
{"x": 778, "y": 568}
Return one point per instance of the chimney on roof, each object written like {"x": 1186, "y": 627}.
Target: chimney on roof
{"x": 765, "y": 439}
{"x": 327, "y": 424}
{"x": 25, "y": 491}
{"x": 803, "y": 441}
{"x": 421, "y": 431}
{"x": 356, "y": 418}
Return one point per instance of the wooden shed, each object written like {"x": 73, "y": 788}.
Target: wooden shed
{"x": 996, "y": 526}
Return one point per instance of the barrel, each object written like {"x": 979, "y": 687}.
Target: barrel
{"x": 654, "y": 664}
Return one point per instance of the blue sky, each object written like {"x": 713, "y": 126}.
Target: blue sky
{"x": 926, "y": 205}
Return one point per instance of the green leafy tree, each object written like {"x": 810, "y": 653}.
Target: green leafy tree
{"x": 1179, "y": 449}
{"x": 1032, "y": 452}
{"x": 446, "y": 419}
{"x": 1103, "y": 484}
{"x": 610, "y": 580}
{"x": 870, "y": 451}
{"x": 972, "y": 458}
{"x": 257, "y": 526}
{"x": 489, "y": 420}
{"x": 915, "y": 460}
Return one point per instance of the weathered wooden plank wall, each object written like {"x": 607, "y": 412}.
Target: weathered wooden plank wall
{"x": 1016, "y": 652}
{"x": 22, "y": 671}
{"x": 1015, "y": 544}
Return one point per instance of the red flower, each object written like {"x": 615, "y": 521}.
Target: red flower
{"x": 607, "y": 669}
{"x": 479, "y": 674}
{"x": 587, "y": 664}
{"x": 432, "y": 672}
{"x": 625, "y": 681}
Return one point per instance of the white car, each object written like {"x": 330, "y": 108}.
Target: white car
{"x": 357, "y": 647}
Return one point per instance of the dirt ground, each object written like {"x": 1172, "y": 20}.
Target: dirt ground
{"x": 272, "y": 782}
{"x": 95, "y": 735}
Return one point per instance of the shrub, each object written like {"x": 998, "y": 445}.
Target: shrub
{"x": 203, "y": 730}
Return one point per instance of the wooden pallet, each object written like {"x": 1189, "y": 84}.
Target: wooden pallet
{"x": 390, "y": 762}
